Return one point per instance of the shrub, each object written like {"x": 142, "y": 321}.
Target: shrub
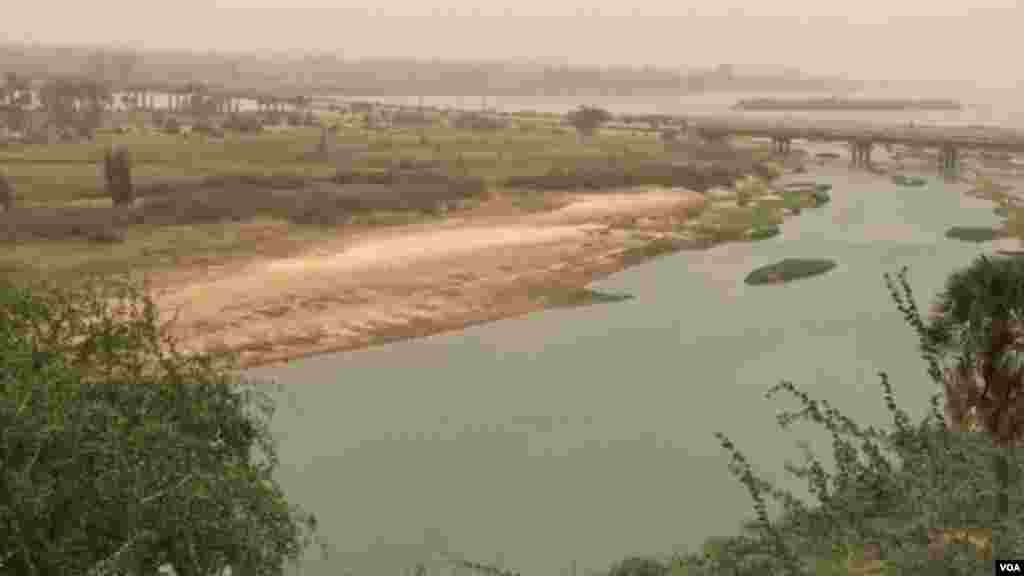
{"x": 917, "y": 497}
{"x": 587, "y": 119}
{"x": 245, "y": 123}
{"x": 602, "y": 176}
{"x": 122, "y": 454}
{"x": 172, "y": 126}
{"x": 207, "y": 128}
{"x": 478, "y": 122}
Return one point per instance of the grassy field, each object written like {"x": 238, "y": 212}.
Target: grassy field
{"x": 206, "y": 197}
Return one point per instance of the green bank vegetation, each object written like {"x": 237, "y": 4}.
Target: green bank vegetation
{"x": 120, "y": 454}
{"x": 198, "y": 196}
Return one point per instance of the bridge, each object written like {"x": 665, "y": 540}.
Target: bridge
{"x": 225, "y": 100}
{"x": 949, "y": 140}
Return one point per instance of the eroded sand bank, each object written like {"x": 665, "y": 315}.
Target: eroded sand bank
{"x": 395, "y": 283}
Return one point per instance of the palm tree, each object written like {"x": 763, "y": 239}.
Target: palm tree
{"x": 977, "y": 328}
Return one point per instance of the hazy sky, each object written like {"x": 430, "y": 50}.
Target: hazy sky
{"x": 912, "y": 39}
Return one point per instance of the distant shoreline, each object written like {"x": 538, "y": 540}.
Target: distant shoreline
{"x": 847, "y": 104}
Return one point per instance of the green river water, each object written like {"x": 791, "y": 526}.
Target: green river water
{"x": 586, "y": 435}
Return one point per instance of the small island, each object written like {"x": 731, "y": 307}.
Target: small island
{"x": 973, "y": 233}
{"x": 788, "y": 270}
{"x": 912, "y": 181}
{"x": 847, "y": 104}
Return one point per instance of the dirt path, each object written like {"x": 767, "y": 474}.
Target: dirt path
{"x": 379, "y": 285}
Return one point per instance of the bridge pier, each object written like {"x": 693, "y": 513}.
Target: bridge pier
{"x": 711, "y": 136}
{"x": 782, "y": 145}
{"x": 949, "y": 160}
{"x": 860, "y": 154}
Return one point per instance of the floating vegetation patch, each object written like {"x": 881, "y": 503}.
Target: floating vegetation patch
{"x": 561, "y": 297}
{"x": 788, "y": 270}
{"x": 973, "y": 233}
{"x": 912, "y": 181}
{"x": 764, "y": 232}
{"x": 653, "y": 249}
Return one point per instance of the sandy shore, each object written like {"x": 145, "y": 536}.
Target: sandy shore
{"x": 384, "y": 284}
{"x": 387, "y": 284}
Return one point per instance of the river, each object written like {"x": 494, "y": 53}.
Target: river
{"x": 987, "y": 107}
{"x": 586, "y": 435}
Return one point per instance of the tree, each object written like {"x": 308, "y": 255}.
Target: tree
{"x": 6, "y": 193}
{"x": 977, "y": 329}
{"x": 17, "y": 96}
{"x": 96, "y": 96}
{"x": 76, "y": 103}
{"x": 59, "y": 98}
{"x": 586, "y": 119}
{"x": 121, "y": 454}
{"x": 117, "y": 170}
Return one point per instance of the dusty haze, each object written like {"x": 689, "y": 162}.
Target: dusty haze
{"x": 973, "y": 42}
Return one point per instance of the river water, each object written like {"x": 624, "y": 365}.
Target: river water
{"x": 586, "y": 435}
{"x": 986, "y": 107}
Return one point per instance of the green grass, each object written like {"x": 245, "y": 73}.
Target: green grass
{"x": 736, "y": 223}
{"x": 246, "y": 166}
{"x": 144, "y": 248}
{"x": 560, "y": 297}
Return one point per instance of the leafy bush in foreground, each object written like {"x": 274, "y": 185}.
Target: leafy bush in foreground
{"x": 921, "y": 498}
{"x": 120, "y": 454}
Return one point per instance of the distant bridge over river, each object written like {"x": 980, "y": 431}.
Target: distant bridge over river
{"x": 949, "y": 140}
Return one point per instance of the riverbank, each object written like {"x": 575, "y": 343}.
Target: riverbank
{"x": 503, "y": 258}
{"x": 358, "y": 290}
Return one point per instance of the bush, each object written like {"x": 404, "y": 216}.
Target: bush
{"x": 602, "y": 177}
{"x": 207, "y": 128}
{"x": 907, "y": 498}
{"x": 765, "y": 232}
{"x": 423, "y": 188}
{"x": 121, "y": 454}
{"x": 478, "y": 122}
{"x": 587, "y": 119}
{"x": 172, "y": 126}
{"x": 245, "y": 123}
{"x": 747, "y": 188}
